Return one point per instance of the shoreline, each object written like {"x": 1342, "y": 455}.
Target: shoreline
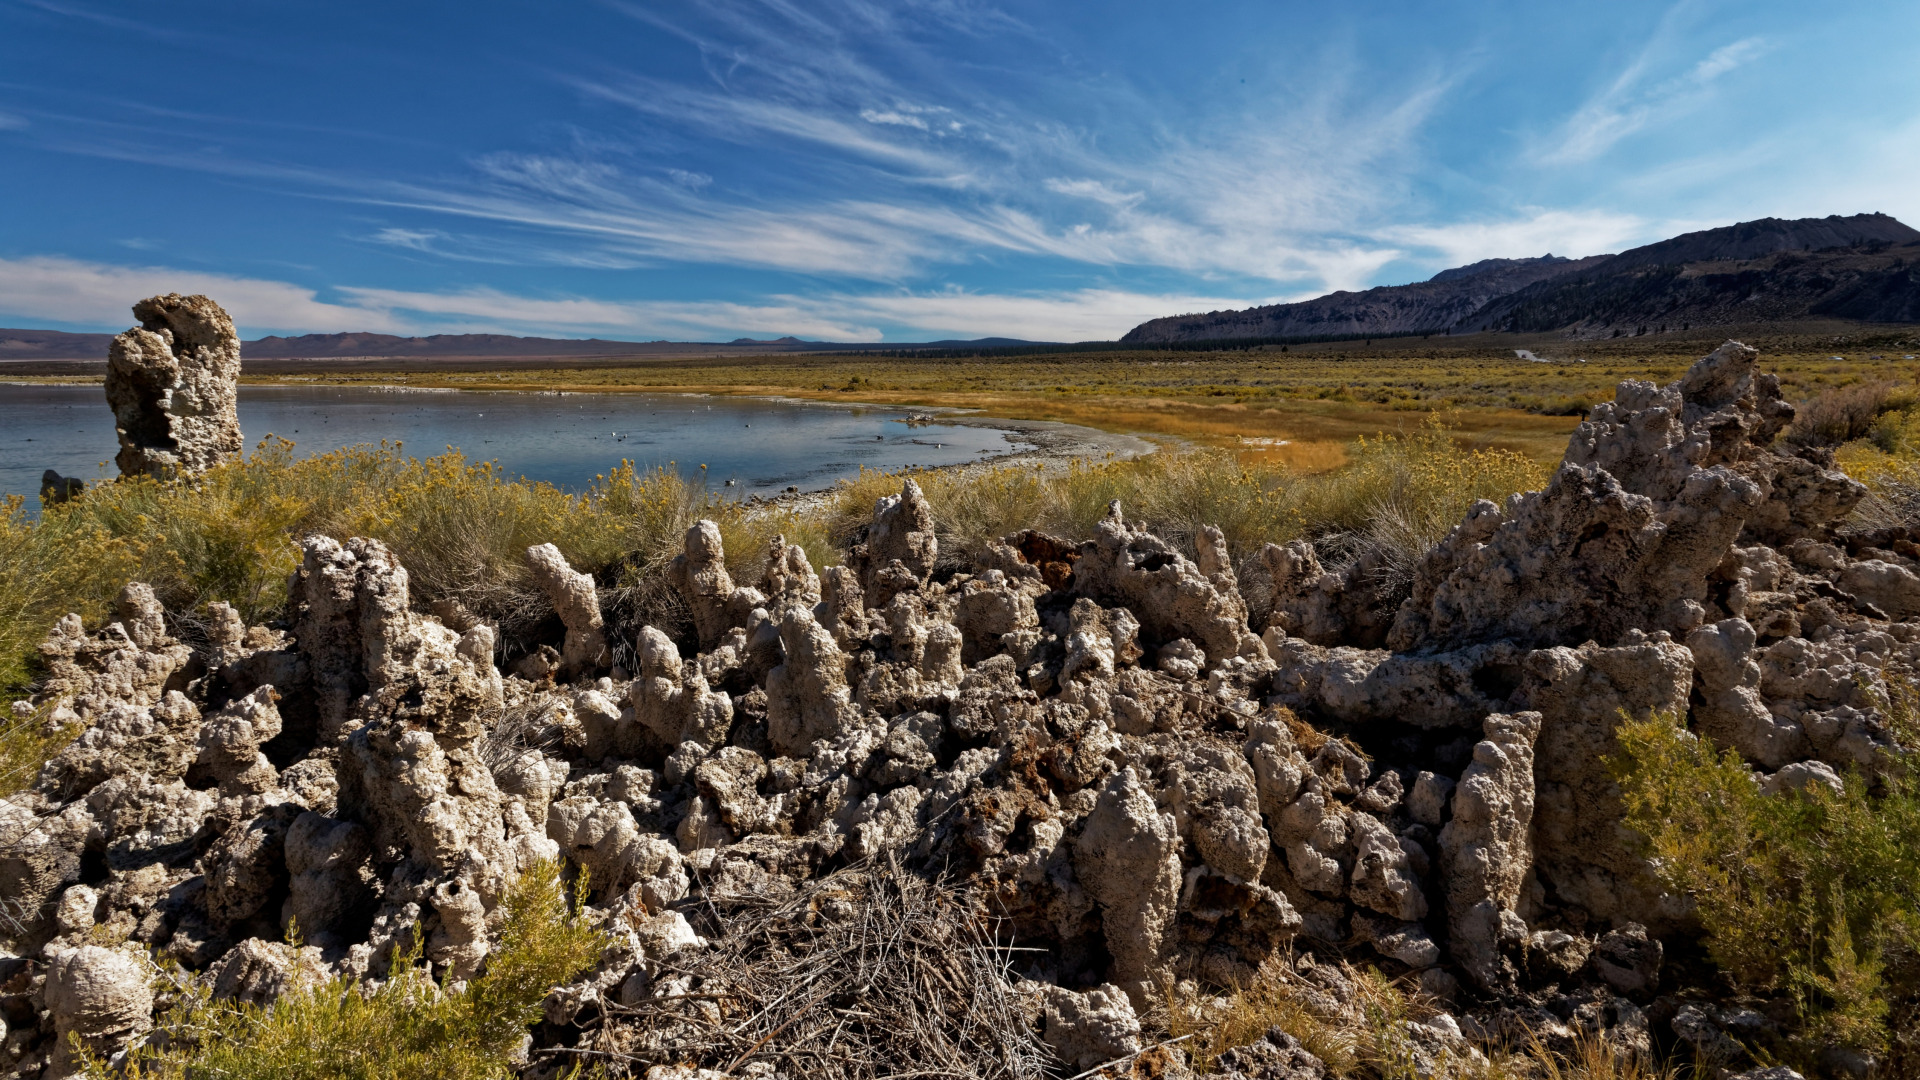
{"x": 1046, "y": 444}
{"x": 1052, "y": 447}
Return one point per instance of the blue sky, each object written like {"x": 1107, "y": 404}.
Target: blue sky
{"x": 849, "y": 170}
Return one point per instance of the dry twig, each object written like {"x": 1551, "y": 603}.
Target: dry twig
{"x": 871, "y": 972}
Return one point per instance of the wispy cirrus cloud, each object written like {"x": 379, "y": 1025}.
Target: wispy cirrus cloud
{"x": 893, "y": 167}
{"x": 1638, "y": 98}
{"x": 97, "y": 294}
{"x": 90, "y": 293}
{"x": 1538, "y": 232}
{"x": 1072, "y": 315}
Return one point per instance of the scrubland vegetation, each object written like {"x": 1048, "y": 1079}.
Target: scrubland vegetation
{"x": 408, "y": 1028}
{"x": 1810, "y": 894}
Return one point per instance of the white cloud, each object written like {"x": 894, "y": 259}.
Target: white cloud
{"x": 1262, "y": 207}
{"x": 1096, "y": 190}
{"x": 86, "y": 293}
{"x": 1629, "y": 104}
{"x": 10, "y": 122}
{"x": 489, "y": 310}
{"x": 1571, "y": 233}
{"x": 1726, "y": 58}
{"x": 749, "y": 120}
{"x": 1080, "y": 315}
{"x": 412, "y": 239}
{"x": 889, "y": 116}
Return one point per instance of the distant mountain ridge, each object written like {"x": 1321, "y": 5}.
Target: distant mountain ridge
{"x": 52, "y": 345}
{"x": 20, "y": 344}
{"x": 1864, "y": 267}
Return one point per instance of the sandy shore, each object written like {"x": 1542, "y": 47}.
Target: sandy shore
{"x": 1041, "y": 444}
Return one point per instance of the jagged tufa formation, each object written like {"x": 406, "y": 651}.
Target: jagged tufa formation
{"x": 1089, "y": 739}
{"x": 171, "y": 382}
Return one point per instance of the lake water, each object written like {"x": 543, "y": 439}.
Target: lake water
{"x": 565, "y": 439}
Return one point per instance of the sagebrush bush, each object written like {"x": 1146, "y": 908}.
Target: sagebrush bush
{"x": 1812, "y": 893}
{"x": 1845, "y": 413}
{"x": 1887, "y": 461}
{"x": 410, "y": 1027}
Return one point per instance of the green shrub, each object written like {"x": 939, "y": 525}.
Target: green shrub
{"x": 1814, "y": 893}
{"x": 408, "y": 1028}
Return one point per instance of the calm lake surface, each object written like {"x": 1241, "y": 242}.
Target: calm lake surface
{"x": 565, "y": 439}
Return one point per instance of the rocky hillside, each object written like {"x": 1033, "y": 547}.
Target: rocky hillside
{"x": 1865, "y": 267}
{"x": 1449, "y": 297}
{"x": 1095, "y": 744}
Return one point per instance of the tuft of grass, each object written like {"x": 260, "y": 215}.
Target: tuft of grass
{"x": 1887, "y": 461}
{"x": 1591, "y": 1059}
{"x": 408, "y": 1027}
{"x": 1367, "y": 1038}
{"x": 1214, "y": 1025}
{"x": 1813, "y": 893}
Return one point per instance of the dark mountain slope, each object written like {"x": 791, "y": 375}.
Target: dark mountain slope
{"x": 1441, "y": 301}
{"x": 1767, "y": 236}
{"x": 1865, "y": 267}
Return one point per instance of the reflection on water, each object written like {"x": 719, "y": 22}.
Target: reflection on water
{"x": 564, "y": 439}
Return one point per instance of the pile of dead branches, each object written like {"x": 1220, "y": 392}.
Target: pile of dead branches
{"x": 870, "y": 972}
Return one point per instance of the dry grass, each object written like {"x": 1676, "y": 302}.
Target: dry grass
{"x": 1366, "y": 1039}
{"x": 1212, "y": 1026}
{"x": 868, "y": 972}
{"x": 1590, "y": 1059}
